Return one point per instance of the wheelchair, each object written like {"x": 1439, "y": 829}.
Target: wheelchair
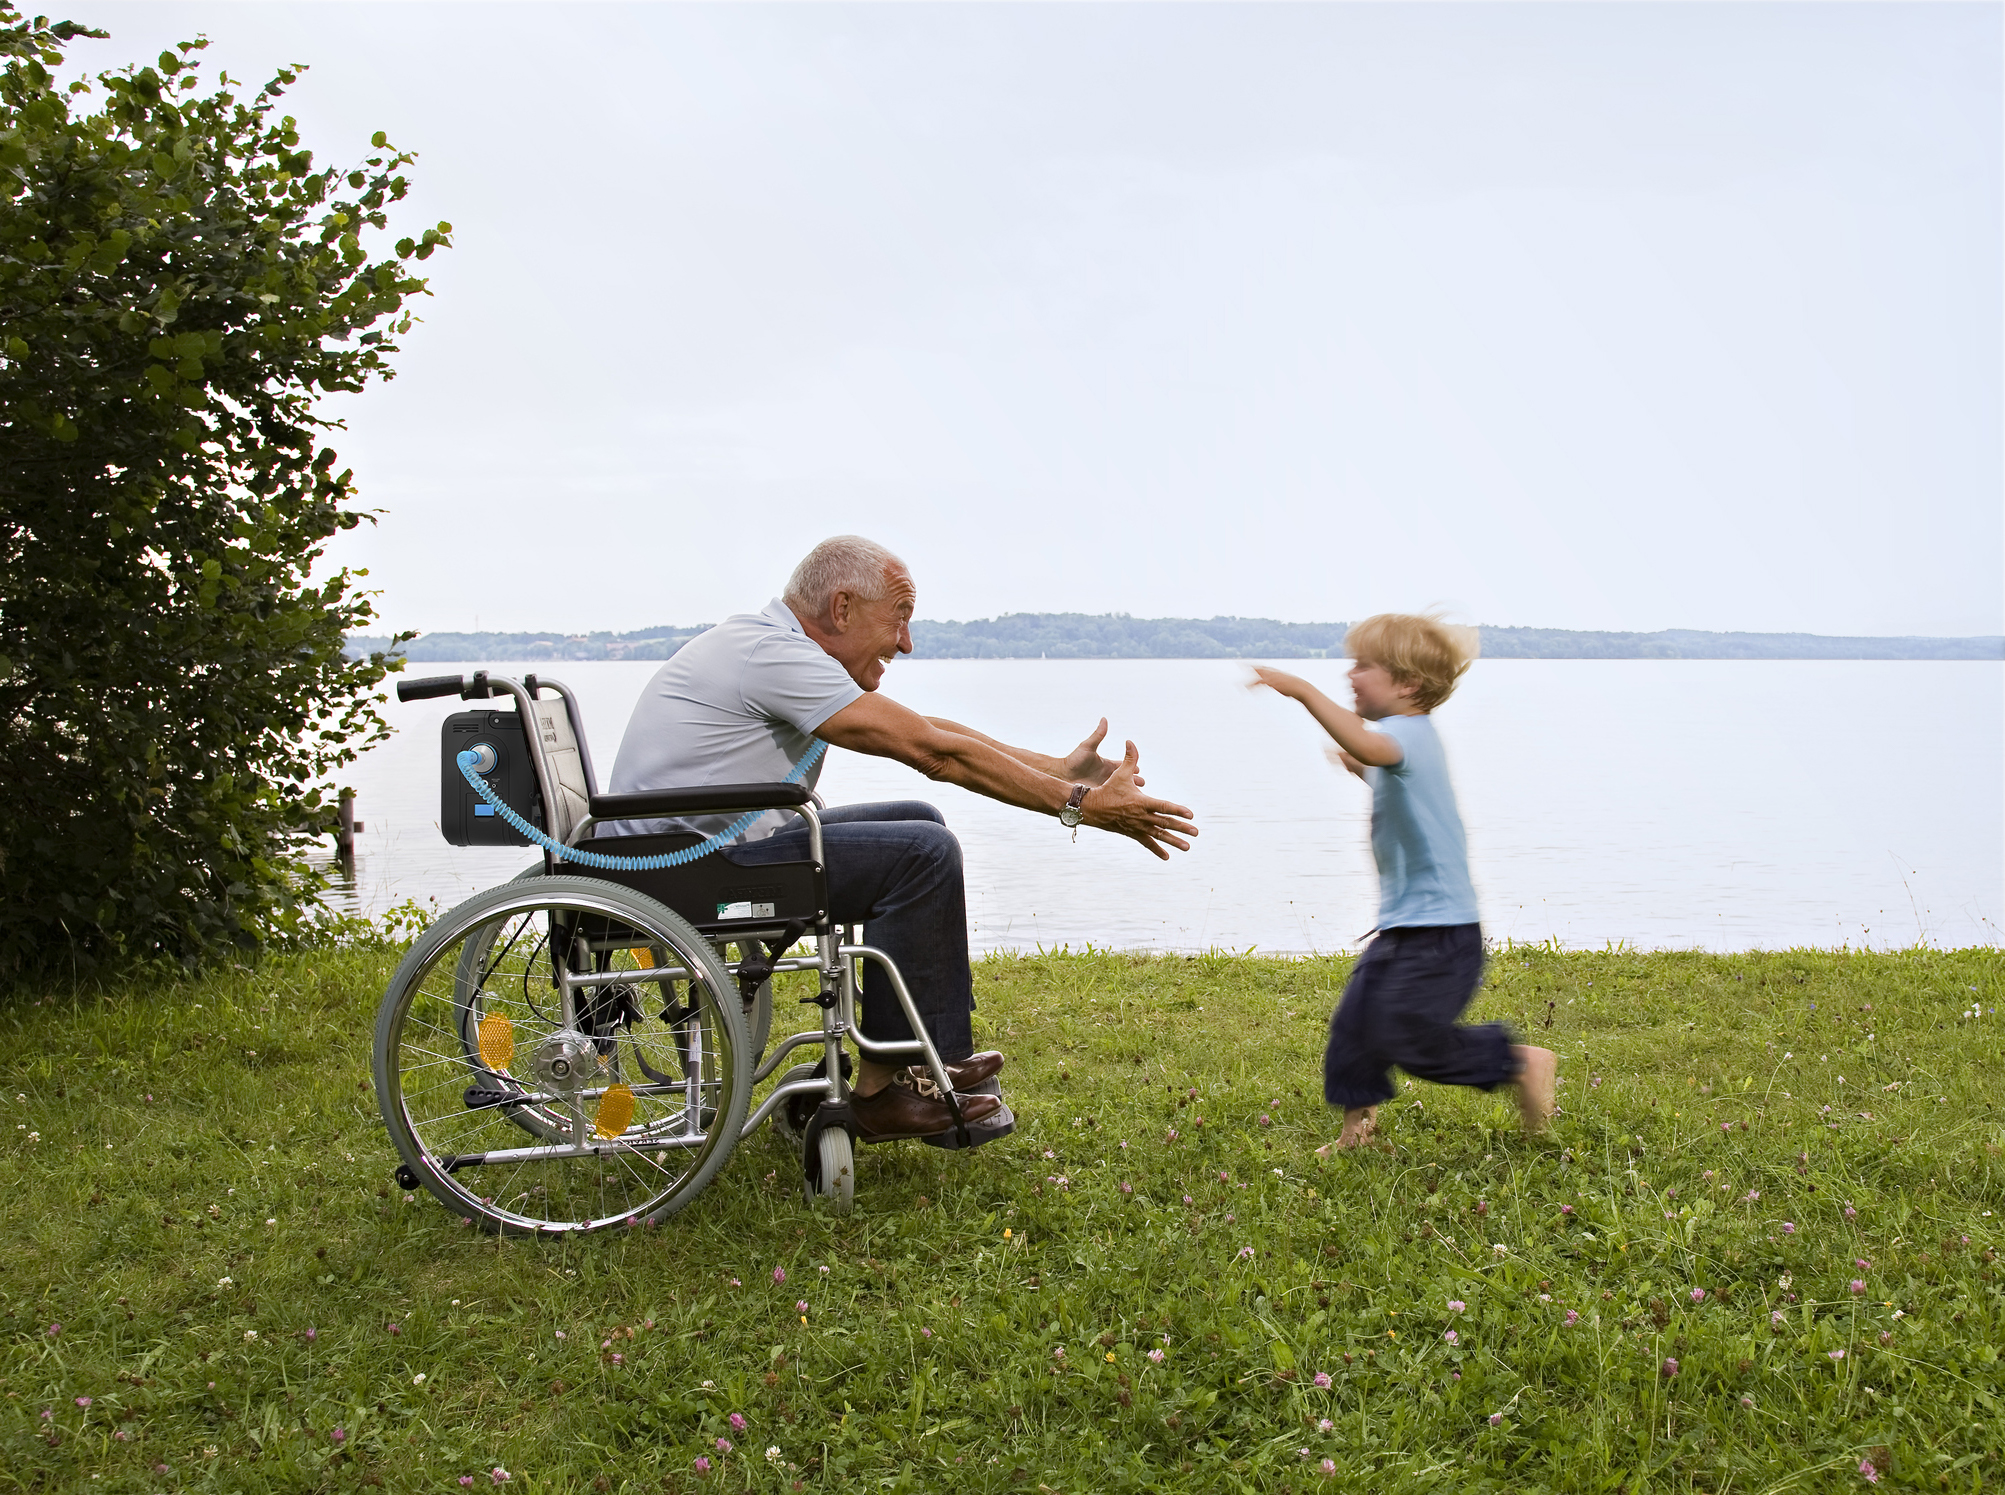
{"x": 577, "y": 1049}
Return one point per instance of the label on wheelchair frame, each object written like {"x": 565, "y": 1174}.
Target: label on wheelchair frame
{"x": 746, "y": 910}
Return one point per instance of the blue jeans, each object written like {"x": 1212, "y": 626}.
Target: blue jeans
{"x": 897, "y": 868}
{"x": 1400, "y": 1007}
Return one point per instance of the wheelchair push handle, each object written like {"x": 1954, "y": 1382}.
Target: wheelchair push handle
{"x": 476, "y": 689}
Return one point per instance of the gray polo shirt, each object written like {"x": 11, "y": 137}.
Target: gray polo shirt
{"x": 738, "y": 704}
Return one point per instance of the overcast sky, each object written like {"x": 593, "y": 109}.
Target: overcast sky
{"x": 1620, "y": 316}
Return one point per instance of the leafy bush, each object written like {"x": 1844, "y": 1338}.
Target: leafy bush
{"x": 178, "y": 284}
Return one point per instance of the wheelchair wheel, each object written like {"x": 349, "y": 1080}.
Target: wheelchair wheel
{"x": 629, "y": 1108}
{"x": 837, "y": 1156}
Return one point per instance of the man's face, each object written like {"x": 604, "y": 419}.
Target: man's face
{"x": 867, "y": 635}
{"x": 1376, "y": 693}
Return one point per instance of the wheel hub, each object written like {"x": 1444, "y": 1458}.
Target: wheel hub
{"x": 566, "y": 1061}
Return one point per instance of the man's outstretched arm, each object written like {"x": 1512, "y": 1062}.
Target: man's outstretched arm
{"x": 884, "y": 729}
{"x": 1083, "y": 765}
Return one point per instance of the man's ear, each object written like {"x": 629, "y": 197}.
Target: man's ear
{"x": 838, "y": 612}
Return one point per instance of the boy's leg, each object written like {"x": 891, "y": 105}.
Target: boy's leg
{"x": 1538, "y": 1075}
{"x": 1426, "y": 990}
{"x": 1354, "y": 1073}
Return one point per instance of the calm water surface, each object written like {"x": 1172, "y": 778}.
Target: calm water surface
{"x": 1671, "y": 804}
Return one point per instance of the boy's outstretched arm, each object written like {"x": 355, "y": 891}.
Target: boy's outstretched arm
{"x": 1374, "y": 749}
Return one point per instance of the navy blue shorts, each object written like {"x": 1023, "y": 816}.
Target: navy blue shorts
{"x": 1399, "y": 1008}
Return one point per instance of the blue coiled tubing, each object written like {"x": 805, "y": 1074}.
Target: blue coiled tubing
{"x": 606, "y": 863}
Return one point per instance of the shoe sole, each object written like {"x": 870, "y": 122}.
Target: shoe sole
{"x": 980, "y": 1133}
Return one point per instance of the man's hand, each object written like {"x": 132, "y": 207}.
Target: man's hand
{"x": 1084, "y": 765}
{"x": 1117, "y": 805}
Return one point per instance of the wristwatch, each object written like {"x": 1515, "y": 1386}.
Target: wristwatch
{"x": 1072, "y": 811}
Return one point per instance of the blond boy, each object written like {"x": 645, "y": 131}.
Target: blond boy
{"x": 1425, "y": 960}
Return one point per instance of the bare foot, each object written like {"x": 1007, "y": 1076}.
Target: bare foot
{"x": 1538, "y": 1074}
{"x": 1359, "y": 1123}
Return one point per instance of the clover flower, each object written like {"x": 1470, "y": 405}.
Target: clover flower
{"x": 772, "y": 1453}
{"x": 1836, "y": 1354}
{"x": 1496, "y": 1419}
{"x": 1775, "y": 1319}
{"x": 1325, "y": 1425}
{"x": 1850, "y": 1213}
{"x": 466, "y": 1481}
{"x": 1566, "y": 1209}
{"x": 499, "y": 1475}
{"x": 1698, "y": 1295}
{"x": 83, "y": 1401}
{"x": 1456, "y": 1305}
{"x": 1322, "y": 1380}
{"x": 1872, "y": 1475}
{"x": 1155, "y": 1357}
{"x": 737, "y": 1421}
{"x": 339, "y": 1435}
{"x": 1451, "y": 1337}
{"x": 1572, "y": 1317}
{"x": 779, "y": 1275}
{"x": 1789, "y": 1227}
{"x": 702, "y": 1464}
{"x": 724, "y": 1445}
{"x": 1328, "y": 1467}
{"x": 1668, "y": 1369}
{"x": 1245, "y": 1253}
{"x": 1858, "y": 1286}
{"x": 801, "y": 1306}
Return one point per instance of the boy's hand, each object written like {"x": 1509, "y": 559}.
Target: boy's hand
{"x": 1278, "y": 681}
{"x": 1341, "y": 759}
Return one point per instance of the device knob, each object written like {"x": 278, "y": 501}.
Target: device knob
{"x": 484, "y": 758}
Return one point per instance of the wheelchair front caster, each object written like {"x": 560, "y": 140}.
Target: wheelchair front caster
{"x": 831, "y": 1176}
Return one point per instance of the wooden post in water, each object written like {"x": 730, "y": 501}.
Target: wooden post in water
{"x": 344, "y": 833}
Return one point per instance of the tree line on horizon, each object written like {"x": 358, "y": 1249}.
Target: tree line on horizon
{"x": 1119, "y": 636}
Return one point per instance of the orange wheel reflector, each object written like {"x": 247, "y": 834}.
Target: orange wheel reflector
{"x": 616, "y": 1112}
{"x": 643, "y": 958}
{"x": 497, "y": 1041}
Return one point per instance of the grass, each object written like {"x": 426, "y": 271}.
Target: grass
{"x": 198, "y": 1192}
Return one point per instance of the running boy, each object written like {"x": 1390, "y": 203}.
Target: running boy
{"x": 1424, "y": 966}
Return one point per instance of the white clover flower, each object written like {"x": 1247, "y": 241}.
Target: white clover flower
{"x": 773, "y": 1453}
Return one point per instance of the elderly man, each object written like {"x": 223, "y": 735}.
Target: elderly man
{"x": 743, "y": 702}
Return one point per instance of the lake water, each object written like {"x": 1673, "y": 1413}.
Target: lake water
{"x": 1667, "y": 804}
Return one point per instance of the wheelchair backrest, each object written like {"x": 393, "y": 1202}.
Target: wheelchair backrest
{"x": 570, "y": 786}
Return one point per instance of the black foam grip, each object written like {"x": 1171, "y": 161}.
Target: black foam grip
{"x": 431, "y": 685}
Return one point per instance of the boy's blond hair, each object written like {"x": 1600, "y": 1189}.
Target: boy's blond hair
{"x": 1415, "y": 649}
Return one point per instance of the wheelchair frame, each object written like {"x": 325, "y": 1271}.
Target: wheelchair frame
{"x": 828, "y": 1137}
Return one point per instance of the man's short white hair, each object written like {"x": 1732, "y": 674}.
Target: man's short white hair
{"x": 843, "y": 563}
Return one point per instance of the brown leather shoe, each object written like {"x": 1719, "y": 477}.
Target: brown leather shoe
{"x": 966, "y": 1075}
{"x": 896, "y": 1112}
{"x": 974, "y": 1069}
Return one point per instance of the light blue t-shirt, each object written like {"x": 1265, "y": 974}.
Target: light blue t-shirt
{"x": 738, "y": 704}
{"x": 1416, "y": 832}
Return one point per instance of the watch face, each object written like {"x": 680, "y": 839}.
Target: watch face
{"x": 1070, "y": 815}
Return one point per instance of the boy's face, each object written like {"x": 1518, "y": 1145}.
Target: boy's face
{"x": 1377, "y": 694}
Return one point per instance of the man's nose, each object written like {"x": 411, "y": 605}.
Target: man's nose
{"x": 904, "y": 638}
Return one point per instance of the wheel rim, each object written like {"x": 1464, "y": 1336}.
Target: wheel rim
{"x": 522, "y": 1121}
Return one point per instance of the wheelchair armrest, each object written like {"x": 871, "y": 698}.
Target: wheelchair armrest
{"x": 710, "y": 798}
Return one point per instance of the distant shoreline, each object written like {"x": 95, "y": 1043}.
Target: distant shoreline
{"x": 1117, "y": 636}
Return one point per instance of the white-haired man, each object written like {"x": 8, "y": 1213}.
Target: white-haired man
{"x": 742, "y": 702}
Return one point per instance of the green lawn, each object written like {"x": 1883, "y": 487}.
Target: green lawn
{"x": 1758, "y": 1248}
